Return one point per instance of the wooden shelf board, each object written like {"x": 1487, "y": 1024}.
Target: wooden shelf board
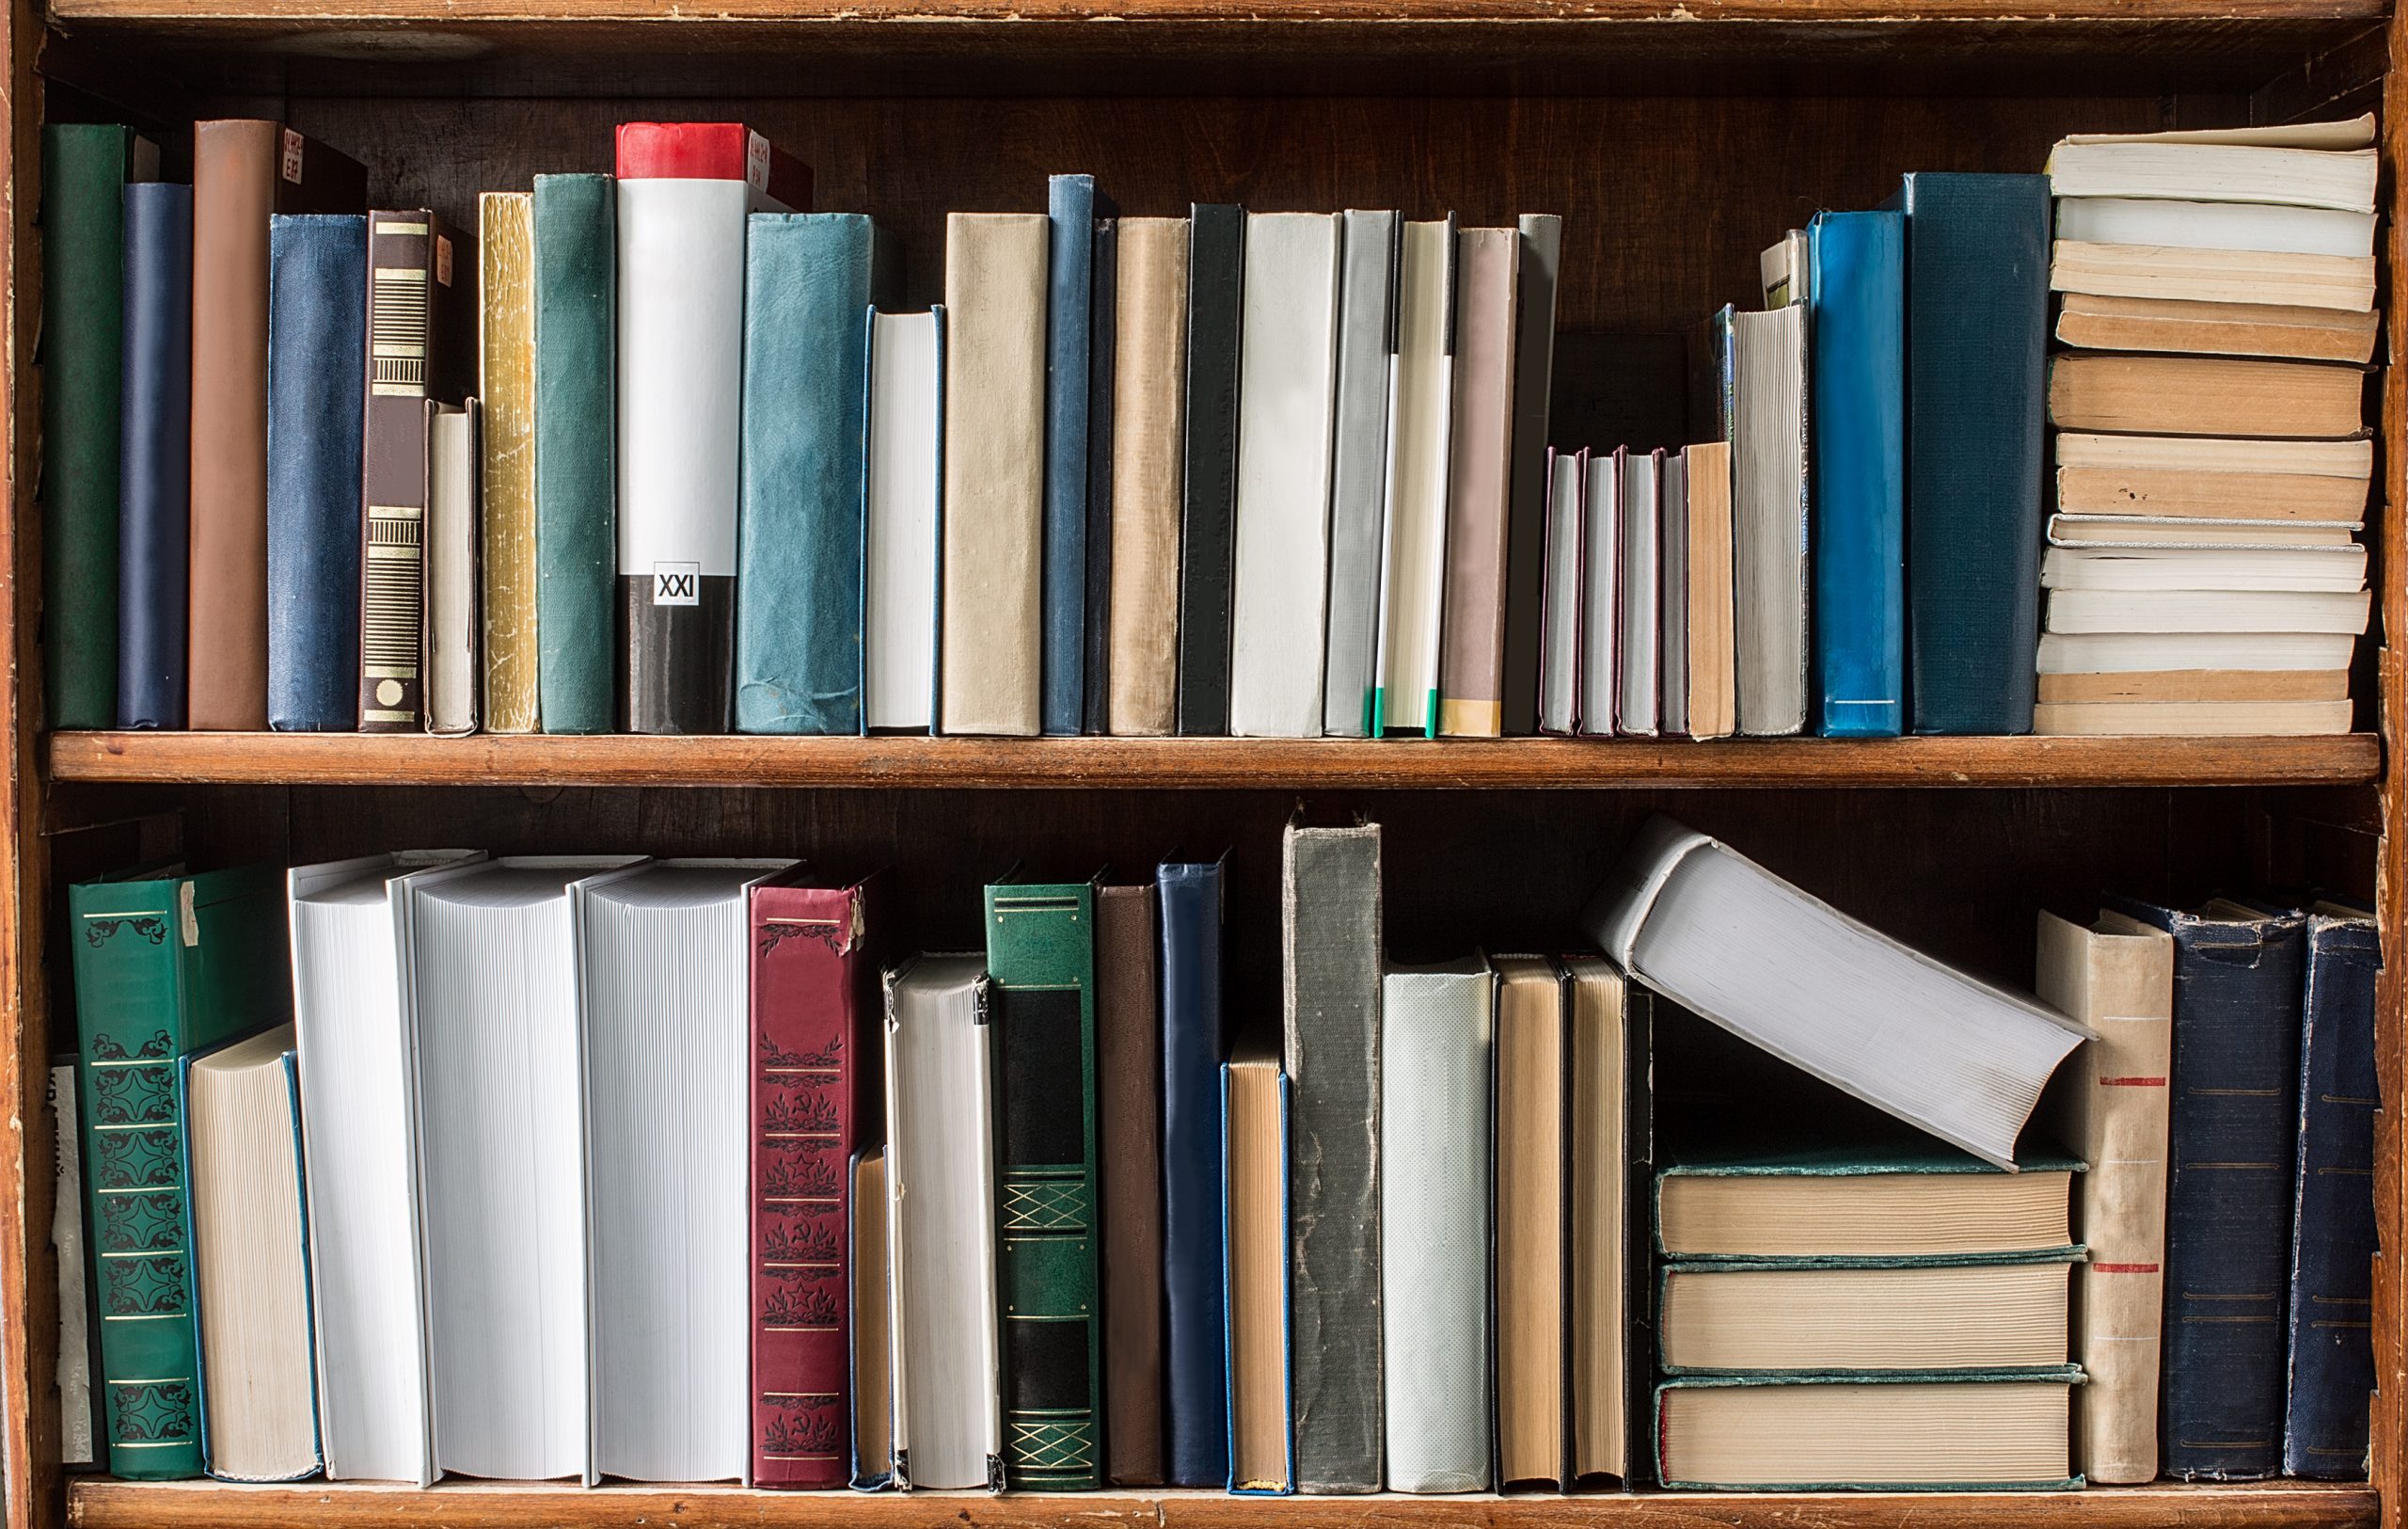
{"x": 499, "y": 760}
{"x": 528, "y": 14}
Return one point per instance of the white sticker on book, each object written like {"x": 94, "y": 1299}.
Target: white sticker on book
{"x": 756, "y": 162}
{"x": 292, "y": 156}
{"x": 676, "y": 583}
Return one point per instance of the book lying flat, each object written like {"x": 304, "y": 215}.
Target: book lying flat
{"x": 2131, "y": 652}
{"x": 2308, "y": 569}
{"x": 1802, "y": 1433}
{"x": 2081, "y": 610}
{"x": 2188, "y": 719}
{"x": 1905, "y": 1200}
{"x": 2203, "y": 395}
{"x": 2298, "y": 165}
{"x": 2345, "y": 282}
{"x": 2170, "y": 530}
{"x": 2248, "y": 326}
{"x": 2198, "y": 685}
{"x": 1742, "y": 1317}
{"x": 2214, "y": 225}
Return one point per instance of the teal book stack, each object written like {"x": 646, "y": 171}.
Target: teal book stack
{"x": 577, "y": 521}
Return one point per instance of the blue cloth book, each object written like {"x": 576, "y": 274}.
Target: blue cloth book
{"x": 1073, "y": 205}
{"x": 317, "y": 400}
{"x": 1193, "y": 1047}
{"x": 1977, "y": 336}
{"x": 154, "y": 455}
{"x": 1856, "y": 320}
{"x": 800, "y": 506}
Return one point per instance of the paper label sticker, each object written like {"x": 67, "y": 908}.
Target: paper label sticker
{"x": 292, "y": 156}
{"x": 676, "y": 583}
{"x": 756, "y": 162}
{"x": 442, "y": 259}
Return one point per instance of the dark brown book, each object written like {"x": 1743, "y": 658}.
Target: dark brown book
{"x": 243, "y": 171}
{"x": 1129, "y": 1064}
{"x": 421, "y": 308}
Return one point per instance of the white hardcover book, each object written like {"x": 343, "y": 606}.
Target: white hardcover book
{"x": 2215, "y": 225}
{"x": 1673, "y": 622}
{"x": 1643, "y": 526}
{"x": 667, "y": 1041}
{"x": 1559, "y": 637}
{"x": 455, "y": 670}
{"x": 1413, "y": 544}
{"x": 1601, "y": 599}
{"x": 492, "y": 984}
{"x": 940, "y": 1178}
{"x": 2085, "y": 611}
{"x": 1436, "y": 1043}
{"x": 1358, "y": 472}
{"x": 899, "y": 557}
{"x": 2148, "y": 652}
{"x": 1287, "y": 403}
{"x": 351, "y": 1022}
{"x": 2340, "y": 568}
{"x": 1768, "y": 518}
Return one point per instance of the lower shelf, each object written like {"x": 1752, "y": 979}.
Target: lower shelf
{"x": 102, "y": 1504}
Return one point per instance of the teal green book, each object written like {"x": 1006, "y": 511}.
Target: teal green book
{"x": 1040, "y": 960}
{"x": 1995, "y": 1212}
{"x": 1909, "y": 1430}
{"x": 165, "y": 966}
{"x": 576, "y": 522}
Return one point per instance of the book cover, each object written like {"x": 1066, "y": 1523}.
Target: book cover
{"x": 902, "y": 535}
{"x": 1766, "y": 394}
{"x": 154, "y": 460}
{"x": 1129, "y": 1126}
{"x": 1527, "y": 532}
{"x": 81, "y": 1427}
{"x": 1195, "y": 1045}
{"x": 1563, "y": 593}
{"x": 455, "y": 649}
{"x": 1358, "y": 471}
{"x": 1256, "y": 1210}
{"x": 1073, "y": 206}
{"x": 1208, "y": 517}
{"x": 1095, "y": 706}
{"x": 1149, "y": 436}
{"x": 1855, "y": 311}
{"x": 1865, "y": 1431}
{"x": 576, "y": 300}
{"x": 1413, "y": 532}
{"x": 509, "y": 592}
{"x": 1480, "y": 485}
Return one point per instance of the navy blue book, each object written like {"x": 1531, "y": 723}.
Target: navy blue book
{"x": 2229, "y": 1167}
{"x": 1073, "y": 205}
{"x": 1104, "y": 337}
{"x": 317, "y": 398}
{"x": 2333, "y": 1237}
{"x": 1977, "y": 335}
{"x": 1193, "y": 1046}
{"x": 154, "y": 455}
{"x": 1856, "y": 319}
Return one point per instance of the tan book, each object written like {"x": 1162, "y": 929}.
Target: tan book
{"x": 1872, "y": 1215}
{"x": 2197, "y": 685}
{"x": 1718, "y": 1433}
{"x": 995, "y": 473}
{"x": 1149, "y": 425}
{"x": 2217, "y": 328}
{"x": 1599, "y": 1365}
{"x": 1714, "y": 685}
{"x": 1255, "y": 1105}
{"x": 2191, "y": 719}
{"x": 1991, "y": 1316}
{"x": 2203, "y": 395}
{"x": 2113, "y": 1107}
{"x": 1480, "y": 482}
{"x": 1530, "y": 1186}
{"x": 2174, "y": 531}
{"x": 2213, "y": 276}
{"x": 2350, "y": 458}
{"x": 454, "y": 469}
{"x": 506, "y": 352}
{"x": 873, "y": 1323}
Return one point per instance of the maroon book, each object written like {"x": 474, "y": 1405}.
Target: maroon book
{"x": 815, "y": 1102}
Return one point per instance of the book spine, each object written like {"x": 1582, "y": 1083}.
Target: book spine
{"x": 1358, "y": 471}
{"x": 1857, "y": 315}
{"x": 1148, "y": 424}
{"x": 1129, "y": 1064}
{"x": 1215, "y": 306}
{"x": 2333, "y": 1241}
{"x": 316, "y": 383}
{"x": 81, "y": 1429}
{"x": 1330, "y": 961}
{"x": 1193, "y": 1050}
{"x": 392, "y": 555}
{"x": 1542, "y": 251}
{"x": 802, "y": 513}
{"x": 1068, "y": 330}
{"x": 506, "y": 386}
{"x": 1102, "y": 350}
{"x": 1480, "y": 486}
{"x": 1041, "y": 957}
{"x": 454, "y": 667}
{"x": 576, "y": 515}
{"x": 156, "y": 459}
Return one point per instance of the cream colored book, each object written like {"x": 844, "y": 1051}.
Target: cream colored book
{"x": 453, "y": 678}
{"x": 2256, "y": 325}
{"x": 2131, "y": 652}
{"x": 2198, "y": 685}
{"x": 1254, "y": 1100}
{"x": 2155, "y": 531}
{"x": 2185, "y": 719}
{"x": 1148, "y": 424}
{"x": 1988, "y": 1316}
{"x": 1713, "y": 705}
{"x": 1822, "y": 1432}
{"x": 2345, "y": 282}
{"x": 506, "y": 384}
{"x": 1600, "y": 1211}
{"x": 1531, "y": 1223}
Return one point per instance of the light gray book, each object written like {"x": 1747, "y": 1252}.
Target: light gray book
{"x": 1672, "y": 642}
{"x": 455, "y": 675}
{"x": 1526, "y": 534}
{"x": 1358, "y": 471}
{"x": 1600, "y": 685}
{"x": 1641, "y": 528}
{"x": 1560, "y": 644}
{"x": 1769, "y": 518}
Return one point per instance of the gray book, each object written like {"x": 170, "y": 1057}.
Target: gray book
{"x": 1526, "y": 534}
{"x": 1367, "y": 299}
{"x": 1330, "y": 945}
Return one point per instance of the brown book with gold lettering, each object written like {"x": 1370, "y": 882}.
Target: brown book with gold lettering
{"x": 1128, "y": 1067}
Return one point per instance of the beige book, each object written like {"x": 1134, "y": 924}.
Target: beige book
{"x": 2185, "y": 719}
{"x": 2112, "y": 1108}
{"x": 1899, "y": 1434}
{"x": 1255, "y": 1100}
{"x": 454, "y": 677}
{"x": 2198, "y": 685}
{"x": 1714, "y": 685}
{"x": 1991, "y": 1316}
{"x": 506, "y": 383}
{"x": 2211, "y": 495}
{"x": 2350, "y": 459}
{"x": 873, "y": 1351}
{"x": 1412, "y": 527}
{"x": 1860, "y": 1214}
{"x": 2177, "y": 531}
{"x": 1148, "y": 424}
{"x": 1600, "y": 1212}
{"x": 2241, "y": 328}
{"x": 2213, "y": 276}
{"x": 2203, "y": 395}
{"x": 1529, "y": 1163}
{"x": 1479, "y": 475}
{"x": 995, "y": 473}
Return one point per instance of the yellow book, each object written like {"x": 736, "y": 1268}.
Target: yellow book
{"x": 506, "y": 379}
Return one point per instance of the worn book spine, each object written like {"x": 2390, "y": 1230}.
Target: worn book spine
{"x": 316, "y": 383}
{"x": 1128, "y": 1069}
{"x": 1358, "y": 471}
{"x": 1329, "y": 924}
{"x": 1480, "y": 486}
{"x": 1413, "y": 532}
{"x": 1095, "y": 701}
{"x": 1040, "y": 955}
{"x": 1542, "y": 256}
{"x": 576, "y": 517}
{"x": 454, "y": 673}
{"x": 81, "y": 1427}
{"x": 1769, "y": 514}
{"x": 901, "y": 533}
{"x": 1072, "y": 205}
{"x": 1607, "y": 1131}
{"x": 154, "y": 457}
{"x": 1532, "y": 1156}
{"x": 506, "y": 386}
{"x": 1193, "y": 1047}
{"x": 1148, "y": 427}
{"x": 1215, "y": 306}
{"x": 1857, "y": 315}
{"x": 1706, "y": 479}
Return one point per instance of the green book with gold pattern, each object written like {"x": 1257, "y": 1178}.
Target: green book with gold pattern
{"x": 1040, "y": 960}
{"x": 165, "y": 965}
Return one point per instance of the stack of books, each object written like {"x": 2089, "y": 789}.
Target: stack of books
{"x": 2203, "y": 573}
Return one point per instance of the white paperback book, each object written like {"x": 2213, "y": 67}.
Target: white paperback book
{"x": 492, "y": 979}
{"x": 899, "y": 556}
{"x": 667, "y": 1041}
{"x": 1287, "y": 400}
{"x": 355, "y": 1054}
{"x": 1601, "y": 599}
{"x": 2215, "y": 225}
{"x": 2150, "y": 652}
{"x": 1435, "y": 1043}
{"x": 1643, "y": 526}
{"x": 1768, "y": 518}
{"x": 1559, "y": 638}
{"x": 1413, "y": 538}
{"x": 1672, "y": 625}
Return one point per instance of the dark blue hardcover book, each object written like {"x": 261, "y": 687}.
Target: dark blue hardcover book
{"x": 2332, "y": 1237}
{"x": 1073, "y": 205}
{"x": 1103, "y": 336}
{"x": 1977, "y": 335}
{"x": 802, "y": 497}
{"x": 317, "y": 399}
{"x": 1856, "y": 321}
{"x": 1193, "y": 1047}
{"x": 2230, "y": 1175}
{"x": 154, "y": 455}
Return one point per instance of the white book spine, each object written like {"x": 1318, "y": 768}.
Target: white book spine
{"x": 455, "y": 670}
{"x": 1769, "y": 512}
{"x": 1601, "y": 601}
{"x": 1642, "y": 525}
{"x": 1421, "y": 424}
{"x": 1560, "y": 644}
{"x": 905, "y": 423}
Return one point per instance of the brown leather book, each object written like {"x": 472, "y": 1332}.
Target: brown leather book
{"x": 1148, "y": 427}
{"x": 243, "y": 173}
{"x": 1480, "y": 486}
{"x": 1129, "y": 1062}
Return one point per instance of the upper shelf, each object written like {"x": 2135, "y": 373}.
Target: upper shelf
{"x": 1268, "y": 764}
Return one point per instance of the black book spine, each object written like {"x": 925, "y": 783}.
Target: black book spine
{"x": 1103, "y": 336}
{"x": 1215, "y": 267}
{"x": 679, "y": 648}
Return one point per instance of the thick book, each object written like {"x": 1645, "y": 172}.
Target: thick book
{"x": 316, "y": 383}
{"x": 1149, "y": 434}
{"x": 1893, "y": 1200}
{"x": 2250, "y": 327}
{"x": 1254, "y": 1115}
{"x": 1558, "y": 676}
{"x": 244, "y": 173}
{"x": 992, "y": 603}
{"x": 1533, "y": 1160}
{"x": 1910, "y": 1431}
{"x": 1637, "y": 708}
{"x": 2234, "y": 1146}
{"x": 1193, "y": 1046}
{"x": 1770, "y": 515}
{"x": 509, "y": 593}
{"x": 165, "y": 965}
{"x": 1208, "y": 508}
{"x": 1040, "y": 958}
{"x": 1287, "y": 401}
{"x": 1977, "y": 315}
{"x": 1609, "y": 1162}
{"x": 2214, "y": 225}
{"x": 2116, "y": 976}
{"x": 1832, "y": 1315}
{"x": 1129, "y": 1129}
{"x": 1541, "y": 259}
{"x": 2329, "y": 283}
{"x": 684, "y": 192}
{"x": 455, "y": 644}
{"x": 2292, "y": 164}
{"x": 1072, "y": 334}
{"x": 576, "y": 299}
{"x": 2203, "y": 395}
{"x": 1436, "y": 1055}
{"x": 154, "y": 460}
{"x": 1330, "y": 958}
{"x": 1412, "y": 527}
{"x": 809, "y": 281}
{"x": 1480, "y": 485}
{"x": 1358, "y": 471}
{"x": 1095, "y": 697}
{"x": 900, "y": 536}
{"x": 1857, "y": 311}
{"x": 813, "y": 1064}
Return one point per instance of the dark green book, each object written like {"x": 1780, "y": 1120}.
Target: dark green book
{"x": 1040, "y": 958}
{"x": 85, "y": 167}
{"x": 165, "y": 966}
{"x": 576, "y": 524}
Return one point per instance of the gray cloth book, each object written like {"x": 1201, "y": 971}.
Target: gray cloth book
{"x": 1359, "y": 473}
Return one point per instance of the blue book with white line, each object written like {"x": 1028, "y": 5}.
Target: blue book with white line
{"x": 1856, "y": 321}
